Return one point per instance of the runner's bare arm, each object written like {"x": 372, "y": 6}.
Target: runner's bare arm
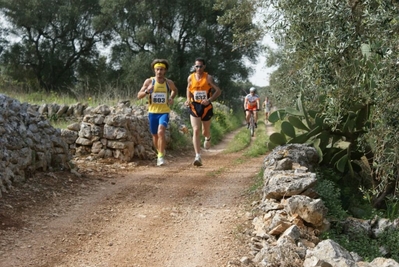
{"x": 173, "y": 93}
{"x": 188, "y": 93}
{"x": 217, "y": 92}
{"x": 142, "y": 93}
{"x": 174, "y": 90}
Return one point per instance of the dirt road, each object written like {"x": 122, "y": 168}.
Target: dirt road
{"x": 133, "y": 215}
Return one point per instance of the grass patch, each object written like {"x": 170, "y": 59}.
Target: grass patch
{"x": 108, "y": 96}
{"x": 256, "y": 146}
{"x": 224, "y": 121}
{"x": 258, "y": 182}
{"x": 240, "y": 141}
{"x": 259, "y": 145}
{"x": 60, "y": 123}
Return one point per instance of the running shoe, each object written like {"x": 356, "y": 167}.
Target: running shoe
{"x": 160, "y": 161}
{"x": 197, "y": 161}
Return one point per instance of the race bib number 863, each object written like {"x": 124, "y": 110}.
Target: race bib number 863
{"x": 159, "y": 98}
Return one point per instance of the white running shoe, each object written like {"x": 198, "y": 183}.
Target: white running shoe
{"x": 160, "y": 161}
{"x": 197, "y": 161}
{"x": 207, "y": 143}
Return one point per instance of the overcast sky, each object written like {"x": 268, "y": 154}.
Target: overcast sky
{"x": 262, "y": 73}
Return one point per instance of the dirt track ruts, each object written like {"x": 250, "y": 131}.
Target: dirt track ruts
{"x": 133, "y": 214}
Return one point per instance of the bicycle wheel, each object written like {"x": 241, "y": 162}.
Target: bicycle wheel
{"x": 252, "y": 125}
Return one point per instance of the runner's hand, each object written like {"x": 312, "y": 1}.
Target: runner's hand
{"x": 150, "y": 89}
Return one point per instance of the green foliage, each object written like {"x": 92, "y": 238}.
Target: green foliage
{"x": 68, "y": 47}
{"x": 254, "y": 146}
{"x": 258, "y": 145}
{"x": 356, "y": 242}
{"x": 330, "y": 193}
{"x": 240, "y": 141}
{"x": 337, "y": 146}
{"x": 343, "y": 53}
{"x": 51, "y": 44}
{"x": 334, "y": 199}
{"x": 180, "y": 139}
{"x": 109, "y": 97}
{"x": 389, "y": 239}
{"x": 392, "y": 210}
{"x": 223, "y": 121}
{"x": 146, "y": 32}
{"x": 238, "y": 15}
{"x": 365, "y": 246}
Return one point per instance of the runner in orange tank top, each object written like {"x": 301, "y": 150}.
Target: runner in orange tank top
{"x": 201, "y": 91}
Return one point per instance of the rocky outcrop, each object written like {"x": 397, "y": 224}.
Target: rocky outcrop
{"x": 28, "y": 143}
{"x": 291, "y": 217}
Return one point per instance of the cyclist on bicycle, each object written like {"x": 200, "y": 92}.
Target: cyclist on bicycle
{"x": 251, "y": 104}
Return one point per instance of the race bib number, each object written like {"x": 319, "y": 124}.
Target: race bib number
{"x": 159, "y": 98}
{"x": 200, "y": 95}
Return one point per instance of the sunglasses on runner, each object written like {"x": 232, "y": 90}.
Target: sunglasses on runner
{"x": 199, "y": 66}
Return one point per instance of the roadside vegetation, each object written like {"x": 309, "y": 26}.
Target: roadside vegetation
{"x": 337, "y": 87}
{"x": 335, "y": 80}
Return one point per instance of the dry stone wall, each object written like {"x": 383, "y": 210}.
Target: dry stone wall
{"x": 28, "y": 143}
{"x": 108, "y": 132}
{"x": 120, "y": 132}
{"x": 291, "y": 216}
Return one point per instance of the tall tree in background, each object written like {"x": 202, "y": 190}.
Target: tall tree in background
{"x": 179, "y": 31}
{"x": 63, "y": 42}
{"x": 53, "y": 36}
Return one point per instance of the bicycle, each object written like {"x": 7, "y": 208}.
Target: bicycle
{"x": 252, "y": 123}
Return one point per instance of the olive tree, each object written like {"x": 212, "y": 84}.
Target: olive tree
{"x": 52, "y": 36}
{"x": 179, "y": 31}
{"x": 343, "y": 56}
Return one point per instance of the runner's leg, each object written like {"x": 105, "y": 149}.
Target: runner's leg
{"x": 196, "y": 125}
{"x": 161, "y": 139}
{"x": 163, "y": 123}
{"x": 206, "y": 128}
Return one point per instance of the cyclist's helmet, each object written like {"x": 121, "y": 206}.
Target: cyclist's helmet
{"x": 252, "y": 89}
